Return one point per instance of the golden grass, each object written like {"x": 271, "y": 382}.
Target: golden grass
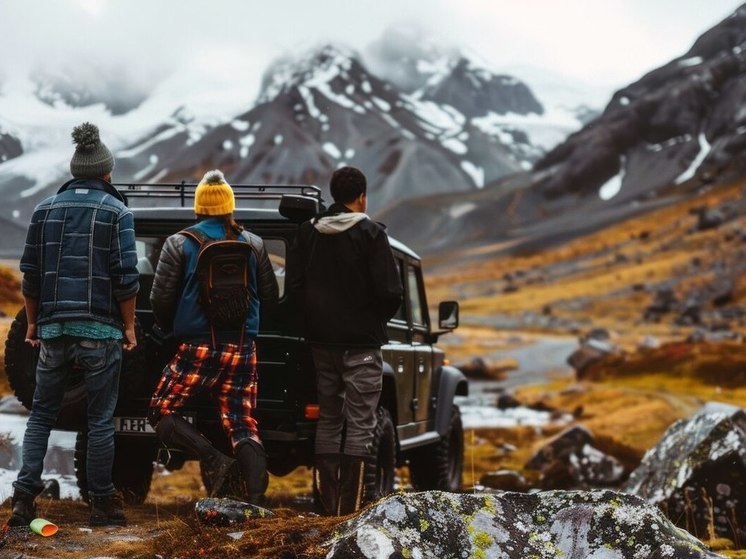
{"x": 627, "y": 415}
{"x": 10, "y": 290}
{"x": 591, "y": 277}
{"x": 626, "y": 422}
{"x": 627, "y": 403}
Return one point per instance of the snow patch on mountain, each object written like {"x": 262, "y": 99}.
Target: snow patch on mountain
{"x": 704, "y": 149}
{"x": 475, "y": 172}
{"x": 544, "y": 131}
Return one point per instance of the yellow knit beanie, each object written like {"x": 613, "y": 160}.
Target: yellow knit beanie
{"x": 214, "y": 196}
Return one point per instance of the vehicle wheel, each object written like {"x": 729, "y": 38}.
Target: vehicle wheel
{"x": 132, "y": 471}
{"x": 20, "y": 366}
{"x": 379, "y": 479}
{"x": 439, "y": 466}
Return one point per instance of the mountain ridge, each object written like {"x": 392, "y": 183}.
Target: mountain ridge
{"x": 677, "y": 130}
{"x": 408, "y": 144}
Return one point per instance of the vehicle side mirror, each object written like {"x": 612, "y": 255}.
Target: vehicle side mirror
{"x": 448, "y": 315}
{"x": 298, "y": 208}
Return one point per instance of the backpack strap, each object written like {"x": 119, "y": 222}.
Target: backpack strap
{"x": 195, "y": 233}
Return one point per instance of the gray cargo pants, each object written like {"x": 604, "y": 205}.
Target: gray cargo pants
{"x": 349, "y": 385}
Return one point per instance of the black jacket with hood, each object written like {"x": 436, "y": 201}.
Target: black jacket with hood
{"x": 344, "y": 276}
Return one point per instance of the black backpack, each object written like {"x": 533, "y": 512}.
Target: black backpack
{"x": 223, "y": 271}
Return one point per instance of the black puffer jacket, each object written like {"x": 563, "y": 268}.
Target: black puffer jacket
{"x": 344, "y": 275}
{"x": 174, "y": 297}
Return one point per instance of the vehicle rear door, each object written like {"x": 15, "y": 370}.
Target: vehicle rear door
{"x": 421, "y": 348}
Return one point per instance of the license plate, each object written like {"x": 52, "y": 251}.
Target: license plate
{"x": 133, "y": 426}
{"x": 138, "y": 425}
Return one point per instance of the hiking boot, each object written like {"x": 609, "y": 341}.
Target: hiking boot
{"x": 176, "y": 431}
{"x": 252, "y": 461}
{"x": 351, "y": 484}
{"x": 23, "y": 508}
{"x": 326, "y": 482}
{"x": 107, "y": 511}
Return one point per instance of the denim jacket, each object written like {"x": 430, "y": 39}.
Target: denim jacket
{"x": 80, "y": 258}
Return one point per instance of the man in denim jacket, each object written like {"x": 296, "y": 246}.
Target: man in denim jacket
{"x": 79, "y": 285}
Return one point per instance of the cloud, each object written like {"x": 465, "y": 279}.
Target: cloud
{"x": 613, "y": 41}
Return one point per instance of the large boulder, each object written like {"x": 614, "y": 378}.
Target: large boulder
{"x": 697, "y": 473}
{"x": 568, "y": 524}
{"x": 570, "y": 460}
{"x": 595, "y": 345}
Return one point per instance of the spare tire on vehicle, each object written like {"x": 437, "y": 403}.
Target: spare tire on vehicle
{"x": 20, "y": 366}
{"x": 132, "y": 470}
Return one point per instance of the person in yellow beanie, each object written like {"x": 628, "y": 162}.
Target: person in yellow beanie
{"x": 222, "y": 361}
{"x": 214, "y": 196}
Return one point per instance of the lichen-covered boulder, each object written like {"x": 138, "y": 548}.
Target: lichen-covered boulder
{"x": 550, "y": 524}
{"x": 697, "y": 473}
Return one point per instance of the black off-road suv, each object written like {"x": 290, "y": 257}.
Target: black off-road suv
{"x": 418, "y": 423}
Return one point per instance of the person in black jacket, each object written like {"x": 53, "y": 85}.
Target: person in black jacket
{"x": 348, "y": 285}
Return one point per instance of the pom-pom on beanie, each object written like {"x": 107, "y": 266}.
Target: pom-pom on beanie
{"x": 92, "y": 159}
{"x": 214, "y": 196}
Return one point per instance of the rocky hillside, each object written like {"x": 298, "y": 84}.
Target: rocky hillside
{"x": 675, "y": 272}
{"x": 677, "y": 130}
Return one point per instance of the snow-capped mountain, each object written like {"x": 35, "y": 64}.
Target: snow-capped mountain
{"x": 502, "y": 104}
{"x": 477, "y": 91}
{"x": 676, "y": 130}
{"x": 462, "y": 128}
{"x": 325, "y": 109}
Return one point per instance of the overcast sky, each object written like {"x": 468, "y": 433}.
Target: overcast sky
{"x": 228, "y": 43}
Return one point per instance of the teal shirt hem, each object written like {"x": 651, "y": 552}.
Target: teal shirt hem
{"x": 80, "y": 329}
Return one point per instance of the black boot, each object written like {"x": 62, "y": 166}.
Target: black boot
{"x": 176, "y": 431}
{"x": 107, "y": 511}
{"x": 23, "y": 508}
{"x": 326, "y": 482}
{"x": 252, "y": 461}
{"x": 351, "y": 484}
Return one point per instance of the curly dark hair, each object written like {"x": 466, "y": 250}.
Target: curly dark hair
{"x": 347, "y": 183}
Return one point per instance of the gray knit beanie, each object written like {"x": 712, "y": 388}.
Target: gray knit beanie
{"x": 92, "y": 159}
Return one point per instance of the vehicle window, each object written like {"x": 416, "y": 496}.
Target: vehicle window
{"x": 401, "y": 312}
{"x": 149, "y": 250}
{"x": 415, "y": 297}
{"x": 276, "y": 248}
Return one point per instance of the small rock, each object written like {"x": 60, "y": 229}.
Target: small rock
{"x": 505, "y": 480}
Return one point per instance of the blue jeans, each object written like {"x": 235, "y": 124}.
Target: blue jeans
{"x": 101, "y": 361}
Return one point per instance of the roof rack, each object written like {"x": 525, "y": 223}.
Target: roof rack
{"x": 185, "y": 191}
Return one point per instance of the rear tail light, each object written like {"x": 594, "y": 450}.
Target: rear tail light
{"x": 312, "y": 411}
